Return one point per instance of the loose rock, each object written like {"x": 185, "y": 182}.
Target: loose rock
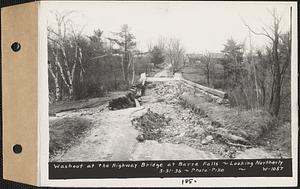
{"x": 207, "y": 140}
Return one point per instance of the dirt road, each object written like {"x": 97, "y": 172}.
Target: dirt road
{"x": 165, "y": 72}
{"x": 114, "y": 138}
{"x": 111, "y": 138}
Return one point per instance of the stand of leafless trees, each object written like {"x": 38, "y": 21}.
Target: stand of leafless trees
{"x": 279, "y": 56}
{"x": 169, "y": 51}
{"x": 82, "y": 66}
{"x": 254, "y": 78}
{"x": 175, "y": 54}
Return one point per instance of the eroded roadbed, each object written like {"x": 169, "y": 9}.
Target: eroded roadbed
{"x": 185, "y": 134}
{"x": 113, "y": 138}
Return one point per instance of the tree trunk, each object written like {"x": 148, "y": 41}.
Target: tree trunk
{"x": 126, "y": 61}
{"x": 277, "y": 77}
{"x": 71, "y": 92}
{"x": 122, "y": 63}
{"x": 125, "y": 69}
{"x": 254, "y": 70}
{"x": 208, "y": 77}
{"x": 56, "y": 82}
{"x": 263, "y": 94}
{"x": 71, "y": 81}
{"x": 133, "y": 71}
{"x": 57, "y": 90}
{"x": 276, "y": 98}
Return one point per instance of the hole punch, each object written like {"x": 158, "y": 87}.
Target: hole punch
{"x": 17, "y": 149}
{"x": 16, "y": 46}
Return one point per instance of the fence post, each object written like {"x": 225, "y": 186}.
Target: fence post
{"x": 143, "y": 78}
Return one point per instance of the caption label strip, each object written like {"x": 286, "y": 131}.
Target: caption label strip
{"x": 160, "y": 169}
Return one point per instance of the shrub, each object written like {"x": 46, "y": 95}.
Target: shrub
{"x": 65, "y": 131}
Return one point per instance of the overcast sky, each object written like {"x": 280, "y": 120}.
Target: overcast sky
{"x": 201, "y": 26}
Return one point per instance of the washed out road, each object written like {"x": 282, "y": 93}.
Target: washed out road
{"x": 114, "y": 138}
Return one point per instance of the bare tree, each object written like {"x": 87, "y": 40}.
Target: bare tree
{"x": 61, "y": 41}
{"x": 162, "y": 44}
{"x": 273, "y": 33}
{"x": 175, "y": 54}
{"x": 126, "y": 42}
{"x": 134, "y": 55}
{"x": 207, "y": 66}
{"x": 252, "y": 63}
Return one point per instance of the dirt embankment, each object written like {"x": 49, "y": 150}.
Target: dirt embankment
{"x": 197, "y": 121}
{"x": 65, "y": 132}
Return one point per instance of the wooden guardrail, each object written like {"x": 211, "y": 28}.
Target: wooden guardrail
{"x": 209, "y": 90}
{"x": 151, "y": 79}
{"x": 178, "y": 76}
{"x": 215, "y": 92}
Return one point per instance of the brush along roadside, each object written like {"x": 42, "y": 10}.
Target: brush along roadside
{"x": 64, "y": 132}
{"x": 204, "y": 124}
{"x": 234, "y": 127}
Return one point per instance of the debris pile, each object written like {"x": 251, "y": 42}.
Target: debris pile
{"x": 197, "y": 120}
{"x": 208, "y": 139}
{"x": 129, "y": 100}
{"x": 168, "y": 92}
{"x": 126, "y": 101}
{"x": 150, "y": 125}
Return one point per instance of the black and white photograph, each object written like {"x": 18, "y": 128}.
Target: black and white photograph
{"x": 140, "y": 94}
{"x": 155, "y": 81}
